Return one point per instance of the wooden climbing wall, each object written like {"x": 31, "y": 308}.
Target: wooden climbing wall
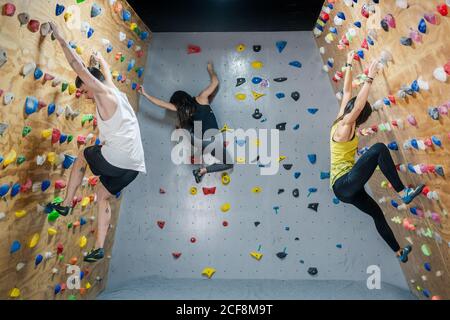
{"x": 22, "y": 47}
{"x": 431, "y": 234}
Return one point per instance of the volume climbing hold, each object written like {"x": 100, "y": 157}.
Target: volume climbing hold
{"x": 313, "y": 206}
{"x": 208, "y": 272}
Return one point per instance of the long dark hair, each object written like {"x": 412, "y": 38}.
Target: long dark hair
{"x": 185, "y": 105}
{"x": 363, "y": 116}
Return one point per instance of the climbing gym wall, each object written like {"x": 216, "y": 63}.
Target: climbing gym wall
{"x": 166, "y": 232}
{"x": 411, "y": 98}
{"x": 44, "y": 123}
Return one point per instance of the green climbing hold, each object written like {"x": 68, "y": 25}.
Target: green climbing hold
{"x": 426, "y": 250}
{"x": 61, "y": 257}
{"x": 69, "y": 138}
{"x": 26, "y": 131}
{"x": 72, "y": 297}
{"x": 64, "y": 86}
{"x": 20, "y": 160}
{"x": 58, "y": 200}
{"x": 122, "y": 58}
{"x": 86, "y": 118}
{"x": 69, "y": 225}
{"x": 53, "y": 216}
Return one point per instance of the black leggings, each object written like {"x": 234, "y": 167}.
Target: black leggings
{"x": 226, "y": 158}
{"x": 350, "y": 188}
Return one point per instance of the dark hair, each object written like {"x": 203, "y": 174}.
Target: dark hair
{"x": 363, "y": 116}
{"x": 185, "y": 105}
{"x": 95, "y": 72}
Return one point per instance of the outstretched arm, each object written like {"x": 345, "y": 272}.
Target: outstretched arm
{"x": 76, "y": 63}
{"x": 106, "y": 70}
{"x": 347, "y": 94}
{"x": 160, "y": 103}
{"x": 203, "y": 97}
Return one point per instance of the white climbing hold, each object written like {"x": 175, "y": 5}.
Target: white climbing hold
{"x": 8, "y": 98}
{"x": 423, "y": 85}
{"x": 20, "y": 266}
{"x": 28, "y": 68}
{"x": 54, "y": 271}
{"x": 2, "y": 215}
{"x": 48, "y": 255}
{"x": 122, "y": 36}
{"x": 440, "y": 74}
{"x": 40, "y": 160}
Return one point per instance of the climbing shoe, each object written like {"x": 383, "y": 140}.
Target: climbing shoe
{"x": 62, "y": 210}
{"x": 411, "y": 193}
{"x": 198, "y": 177}
{"x": 404, "y": 255}
{"x": 95, "y": 255}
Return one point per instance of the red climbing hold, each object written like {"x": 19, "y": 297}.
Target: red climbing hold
{"x": 176, "y": 255}
{"x": 193, "y": 49}
{"x": 48, "y": 77}
{"x": 193, "y": 240}
{"x": 9, "y": 9}
{"x": 392, "y": 99}
{"x": 92, "y": 181}
{"x": 426, "y": 190}
{"x": 34, "y": 26}
{"x": 207, "y": 191}
{"x": 447, "y": 68}
{"x": 225, "y": 223}
{"x": 56, "y": 134}
{"x": 60, "y": 184}
{"x": 443, "y": 9}
{"x": 26, "y": 186}
{"x": 42, "y": 105}
{"x": 59, "y": 248}
{"x": 161, "y": 224}
{"x": 365, "y": 44}
{"x": 81, "y": 140}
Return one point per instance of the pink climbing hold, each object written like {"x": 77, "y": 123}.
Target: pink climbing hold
{"x": 161, "y": 224}
{"x": 447, "y": 68}
{"x": 81, "y": 140}
{"x": 60, "y": 184}
{"x": 34, "y": 26}
{"x": 26, "y": 186}
{"x": 9, "y": 9}
{"x": 176, "y": 255}
{"x": 48, "y": 77}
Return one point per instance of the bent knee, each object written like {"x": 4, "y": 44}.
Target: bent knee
{"x": 380, "y": 147}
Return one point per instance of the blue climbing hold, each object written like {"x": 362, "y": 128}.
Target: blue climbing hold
{"x": 1, "y": 159}
{"x": 97, "y": 142}
{"x": 358, "y": 24}
{"x": 57, "y": 289}
{"x": 311, "y": 191}
{"x": 96, "y": 10}
{"x": 296, "y": 127}
{"x": 126, "y": 15}
{"x": 339, "y": 246}
{"x": 333, "y": 30}
{"x": 119, "y": 77}
{"x": 51, "y": 109}
{"x": 426, "y": 293}
{"x": 341, "y": 15}
{"x": 324, "y": 175}
{"x": 81, "y": 275}
{"x": 413, "y": 210}
{"x": 59, "y": 9}
{"x": 415, "y": 144}
{"x": 256, "y": 80}
{"x": 318, "y": 26}
{"x": 134, "y": 86}
{"x": 436, "y": 141}
{"x": 297, "y": 175}
{"x": 118, "y": 194}
{"x": 4, "y": 189}
{"x": 394, "y": 203}
{"x": 411, "y": 168}
{"x": 280, "y": 95}
{"x": 15, "y": 190}
{"x": 143, "y": 35}
{"x": 296, "y": 64}
{"x": 427, "y": 266}
{"x": 360, "y": 53}
{"x": 38, "y": 73}
{"x": 393, "y": 146}
{"x": 31, "y": 105}
{"x": 281, "y": 45}
{"x": 130, "y": 43}
{"x": 422, "y": 26}
{"x": 109, "y": 48}
{"x": 68, "y": 161}
{"x": 38, "y": 259}
{"x": 131, "y": 65}
{"x": 90, "y": 33}
{"x": 387, "y": 102}
{"x": 83, "y": 221}
{"x": 415, "y": 86}
{"x": 63, "y": 138}
{"x": 313, "y": 110}
{"x": 14, "y": 247}
{"x": 336, "y": 200}
{"x": 312, "y": 158}
{"x": 45, "y": 185}
{"x": 330, "y": 63}
{"x": 140, "y": 72}
{"x": 370, "y": 41}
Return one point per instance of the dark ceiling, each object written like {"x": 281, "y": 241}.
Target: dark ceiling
{"x": 228, "y": 15}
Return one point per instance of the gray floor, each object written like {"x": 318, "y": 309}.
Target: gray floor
{"x": 156, "y": 288}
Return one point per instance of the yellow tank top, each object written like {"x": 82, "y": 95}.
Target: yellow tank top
{"x": 342, "y": 156}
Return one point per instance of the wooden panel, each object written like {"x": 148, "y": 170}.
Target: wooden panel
{"x": 409, "y": 64}
{"x": 22, "y": 47}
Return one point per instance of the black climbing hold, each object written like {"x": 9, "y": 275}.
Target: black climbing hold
{"x": 280, "y": 191}
{"x": 297, "y": 239}
{"x": 313, "y": 206}
{"x": 257, "y": 115}
{"x": 240, "y": 81}
{"x": 281, "y": 79}
{"x": 257, "y": 223}
{"x": 281, "y": 255}
{"x": 288, "y": 166}
{"x": 313, "y": 271}
{"x": 257, "y": 48}
{"x": 295, "y": 95}
{"x": 281, "y": 126}
{"x": 296, "y": 193}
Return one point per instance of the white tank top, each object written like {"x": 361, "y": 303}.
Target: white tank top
{"x": 121, "y": 136}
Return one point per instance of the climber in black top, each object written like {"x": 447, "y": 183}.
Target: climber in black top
{"x": 194, "y": 110}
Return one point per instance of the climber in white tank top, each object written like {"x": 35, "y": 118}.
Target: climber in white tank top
{"x": 119, "y": 157}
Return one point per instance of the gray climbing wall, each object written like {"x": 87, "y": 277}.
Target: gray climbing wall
{"x": 142, "y": 249}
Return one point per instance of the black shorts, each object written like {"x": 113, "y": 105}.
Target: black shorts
{"x": 114, "y": 179}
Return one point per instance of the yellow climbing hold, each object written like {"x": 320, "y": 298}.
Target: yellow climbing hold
{"x": 52, "y": 231}
{"x": 10, "y": 158}
{"x": 240, "y": 47}
{"x": 133, "y": 26}
{"x": 83, "y": 242}
{"x": 14, "y": 293}
{"x": 281, "y": 158}
{"x": 208, "y": 272}
{"x": 225, "y": 207}
{"x": 85, "y": 201}
{"x": 67, "y": 16}
{"x": 226, "y": 179}
{"x": 79, "y": 50}
{"x": 240, "y": 160}
{"x": 225, "y": 128}
{"x": 258, "y": 256}
{"x": 241, "y": 96}
{"x": 256, "y": 189}
{"x": 46, "y": 133}
{"x": 88, "y": 285}
{"x": 193, "y": 191}
{"x": 257, "y": 64}
{"x": 384, "y": 184}
{"x": 21, "y": 213}
{"x": 257, "y": 95}
{"x": 34, "y": 240}
{"x": 72, "y": 88}
{"x": 51, "y": 157}
{"x": 115, "y": 74}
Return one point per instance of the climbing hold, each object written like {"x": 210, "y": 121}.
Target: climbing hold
{"x": 96, "y": 10}
{"x": 422, "y": 26}
{"x": 8, "y": 98}
{"x": 26, "y": 131}
{"x": 312, "y": 158}
{"x": 295, "y": 193}
{"x": 256, "y": 48}
{"x": 281, "y": 255}
{"x": 9, "y": 158}
{"x": 226, "y": 179}
{"x": 34, "y": 25}
{"x": 208, "y": 272}
{"x": 443, "y": 9}
{"x": 38, "y": 259}
{"x": 256, "y": 80}
{"x": 312, "y": 110}
{"x": 240, "y": 81}
{"x": 53, "y": 216}
{"x": 311, "y": 190}
{"x": 9, "y": 9}
{"x": 193, "y": 191}
{"x": 256, "y": 190}
{"x": 281, "y": 79}
{"x": 209, "y": 191}
{"x": 3, "y": 57}
{"x": 24, "y": 18}
{"x": 313, "y": 206}
{"x": 287, "y": 166}
{"x": 52, "y": 231}
{"x": 295, "y": 64}
{"x": 240, "y": 96}
{"x": 15, "y": 247}
{"x": 313, "y": 271}
{"x": 34, "y": 240}
{"x": 324, "y": 175}
{"x": 82, "y": 242}
{"x": 257, "y": 64}
{"x": 440, "y": 74}
{"x": 281, "y": 45}
{"x": 257, "y": 95}
{"x": 59, "y": 9}
{"x": 406, "y": 41}
{"x": 161, "y": 224}
{"x": 297, "y": 175}
{"x": 258, "y": 256}
{"x": 240, "y": 47}
{"x": 257, "y": 223}
{"x": 280, "y": 95}
{"x": 295, "y": 95}
{"x": 426, "y": 250}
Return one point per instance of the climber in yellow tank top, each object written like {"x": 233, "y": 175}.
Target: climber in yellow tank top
{"x": 347, "y": 176}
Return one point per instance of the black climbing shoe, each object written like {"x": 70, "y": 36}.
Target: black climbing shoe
{"x": 198, "y": 177}
{"x": 94, "y": 255}
{"x": 62, "y": 210}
